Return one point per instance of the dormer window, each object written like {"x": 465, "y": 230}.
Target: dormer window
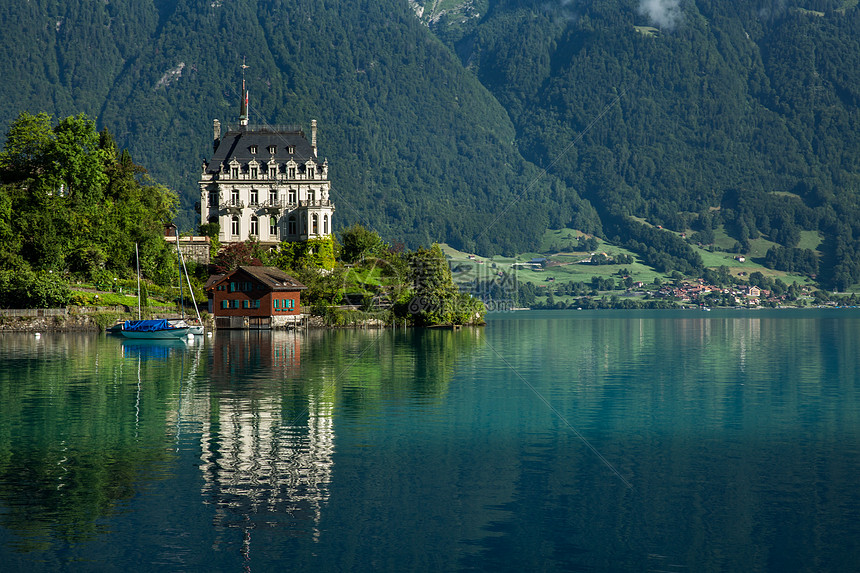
{"x": 272, "y": 149}
{"x": 310, "y": 172}
{"x": 234, "y": 172}
{"x": 253, "y": 150}
{"x": 291, "y": 149}
{"x": 273, "y": 172}
{"x": 253, "y": 173}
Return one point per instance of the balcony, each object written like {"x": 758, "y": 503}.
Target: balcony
{"x": 315, "y": 203}
{"x": 233, "y": 207}
{"x": 273, "y": 207}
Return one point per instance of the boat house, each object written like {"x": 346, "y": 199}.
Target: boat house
{"x": 255, "y": 298}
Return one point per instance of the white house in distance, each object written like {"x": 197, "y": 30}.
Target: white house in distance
{"x": 265, "y": 182}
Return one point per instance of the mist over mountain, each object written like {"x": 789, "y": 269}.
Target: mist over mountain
{"x": 484, "y": 122}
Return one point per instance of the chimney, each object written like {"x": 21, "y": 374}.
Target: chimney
{"x": 216, "y": 129}
{"x": 314, "y": 135}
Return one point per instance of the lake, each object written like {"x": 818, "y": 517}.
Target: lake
{"x": 545, "y": 441}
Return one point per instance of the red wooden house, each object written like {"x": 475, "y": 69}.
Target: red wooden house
{"x": 255, "y": 297}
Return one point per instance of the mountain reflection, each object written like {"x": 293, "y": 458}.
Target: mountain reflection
{"x": 89, "y": 423}
{"x": 81, "y": 417}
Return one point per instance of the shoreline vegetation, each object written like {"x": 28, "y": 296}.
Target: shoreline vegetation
{"x": 80, "y": 223}
{"x": 75, "y": 211}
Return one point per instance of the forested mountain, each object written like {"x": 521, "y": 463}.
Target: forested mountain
{"x": 694, "y": 114}
{"x": 418, "y": 149}
{"x": 438, "y": 116}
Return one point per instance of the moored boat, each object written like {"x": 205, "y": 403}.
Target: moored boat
{"x": 154, "y": 329}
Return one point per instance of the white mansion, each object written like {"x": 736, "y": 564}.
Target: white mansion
{"x": 265, "y": 182}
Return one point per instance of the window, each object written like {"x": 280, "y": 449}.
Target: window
{"x": 310, "y": 172}
{"x": 273, "y": 227}
{"x": 234, "y": 172}
{"x": 254, "y": 226}
{"x": 292, "y": 196}
{"x": 213, "y": 198}
{"x": 312, "y": 196}
{"x": 273, "y": 197}
{"x": 253, "y": 173}
{"x": 272, "y": 149}
{"x": 292, "y": 225}
{"x": 234, "y": 226}
{"x": 273, "y": 172}
{"x": 292, "y": 172}
{"x": 254, "y": 197}
{"x": 245, "y": 304}
{"x": 253, "y": 149}
{"x": 315, "y": 224}
{"x": 291, "y": 149}
{"x": 234, "y": 197}
{"x": 325, "y": 224}
{"x": 225, "y": 304}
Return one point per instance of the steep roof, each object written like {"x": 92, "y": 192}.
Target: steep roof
{"x": 273, "y": 277}
{"x": 237, "y": 144}
{"x": 212, "y": 281}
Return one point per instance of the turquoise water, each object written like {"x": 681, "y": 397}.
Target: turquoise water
{"x": 582, "y": 441}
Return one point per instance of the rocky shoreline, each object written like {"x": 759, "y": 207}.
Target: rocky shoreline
{"x": 101, "y": 320}
{"x": 59, "y": 323}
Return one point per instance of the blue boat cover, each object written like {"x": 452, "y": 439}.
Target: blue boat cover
{"x": 146, "y": 325}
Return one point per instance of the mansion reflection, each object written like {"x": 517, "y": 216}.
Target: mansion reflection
{"x": 267, "y": 439}
{"x": 88, "y": 420}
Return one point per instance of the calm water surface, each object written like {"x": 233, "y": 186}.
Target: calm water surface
{"x": 605, "y": 441}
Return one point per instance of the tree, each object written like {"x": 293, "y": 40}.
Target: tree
{"x": 235, "y": 255}
{"x": 436, "y": 299}
{"x": 359, "y": 242}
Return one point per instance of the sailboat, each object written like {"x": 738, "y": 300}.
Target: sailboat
{"x": 160, "y": 328}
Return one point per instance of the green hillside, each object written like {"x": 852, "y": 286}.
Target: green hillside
{"x": 418, "y": 149}
{"x": 711, "y": 115}
{"x": 660, "y": 127}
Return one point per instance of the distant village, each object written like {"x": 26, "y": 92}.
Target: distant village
{"x": 698, "y": 292}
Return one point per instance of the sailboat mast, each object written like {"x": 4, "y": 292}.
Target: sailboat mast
{"x": 137, "y": 258}
{"x": 190, "y": 290}
{"x": 181, "y": 294}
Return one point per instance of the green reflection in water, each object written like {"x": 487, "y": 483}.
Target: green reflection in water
{"x": 81, "y": 417}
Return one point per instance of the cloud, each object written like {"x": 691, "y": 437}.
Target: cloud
{"x": 664, "y": 14}
{"x": 567, "y": 9}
